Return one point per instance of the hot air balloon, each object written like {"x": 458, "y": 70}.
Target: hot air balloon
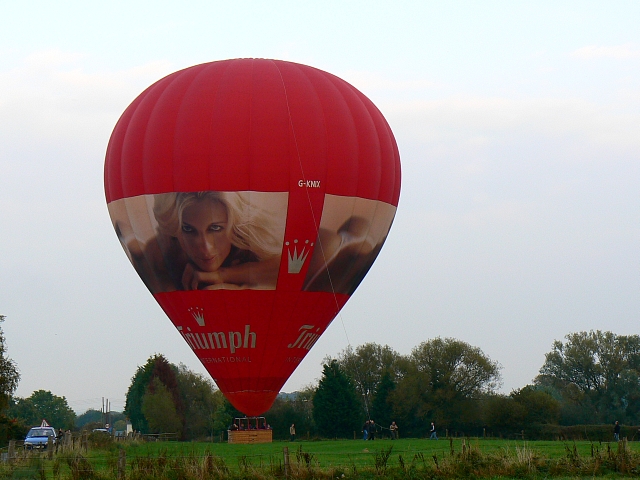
{"x": 252, "y": 196}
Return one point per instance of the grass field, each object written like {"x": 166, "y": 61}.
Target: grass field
{"x": 329, "y": 453}
{"x": 405, "y": 458}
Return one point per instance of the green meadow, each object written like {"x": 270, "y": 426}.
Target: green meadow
{"x": 331, "y": 453}
{"x": 404, "y": 458}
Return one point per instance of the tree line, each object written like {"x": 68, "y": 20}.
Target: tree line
{"x": 588, "y": 378}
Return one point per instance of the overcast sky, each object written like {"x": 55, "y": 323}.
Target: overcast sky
{"x": 518, "y": 125}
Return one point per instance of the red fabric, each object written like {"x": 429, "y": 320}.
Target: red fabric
{"x": 252, "y": 124}
{"x": 265, "y": 126}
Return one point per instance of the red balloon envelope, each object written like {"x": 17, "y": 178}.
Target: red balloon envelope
{"x": 252, "y": 196}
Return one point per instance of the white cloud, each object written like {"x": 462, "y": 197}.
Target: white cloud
{"x": 51, "y": 57}
{"x": 48, "y": 85}
{"x": 52, "y": 104}
{"x": 628, "y": 50}
{"x": 478, "y": 122}
{"x": 373, "y": 81}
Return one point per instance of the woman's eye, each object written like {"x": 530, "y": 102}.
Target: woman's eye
{"x": 215, "y": 228}
{"x": 186, "y": 228}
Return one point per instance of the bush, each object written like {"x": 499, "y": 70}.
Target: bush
{"x": 100, "y": 440}
{"x": 594, "y": 433}
{"x": 11, "y": 429}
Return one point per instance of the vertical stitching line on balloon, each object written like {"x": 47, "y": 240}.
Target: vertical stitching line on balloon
{"x": 304, "y": 178}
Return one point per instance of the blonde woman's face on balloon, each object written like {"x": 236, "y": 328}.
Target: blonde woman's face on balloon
{"x": 204, "y": 234}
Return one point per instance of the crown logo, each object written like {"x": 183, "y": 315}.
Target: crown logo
{"x": 198, "y": 314}
{"x": 296, "y": 260}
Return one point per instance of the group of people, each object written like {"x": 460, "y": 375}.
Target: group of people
{"x": 369, "y": 430}
{"x": 262, "y": 426}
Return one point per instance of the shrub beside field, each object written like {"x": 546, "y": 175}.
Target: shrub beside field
{"x": 594, "y": 433}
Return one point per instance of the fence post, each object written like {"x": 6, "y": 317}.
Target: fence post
{"x": 286, "y": 461}
{"x": 11, "y": 452}
{"x": 84, "y": 443}
{"x": 122, "y": 464}
{"x": 49, "y": 448}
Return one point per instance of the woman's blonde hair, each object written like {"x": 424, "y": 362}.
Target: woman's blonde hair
{"x": 249, "y": 226}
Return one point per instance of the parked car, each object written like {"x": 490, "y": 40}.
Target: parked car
{"x": 38, "y": 437}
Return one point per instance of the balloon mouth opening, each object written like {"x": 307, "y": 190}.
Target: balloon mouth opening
{"x": 252, "y": 403}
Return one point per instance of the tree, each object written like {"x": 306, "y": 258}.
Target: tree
{"x": 281, "y": 415}
{"x": 42, "y": 404}
{"x": 224, "y": 414}
{"x": 24, "y": 410}
{"x": 523, "y": 409}
{"x": 540, "y": 407}
{"x": 293, "y": 408}
{"x": 455, "y": 367}
{"x": 336, "y": 407}
{"x": 409, "y": 400}
{"x": 381, "y": 407}
{"x": 196, "y": 401}
{"x": 159, "y": 409}
{"x": 93, "y": 418}
{"x": 444, "y": 379}
{"x": 135, "y": 393}
{"x": 366, "y": 365}
{"x": 9, "y": 378}
{"x": 9, "y": 375}
{"x": 158, "y": 367}
{"x": 201, "y": 400}
{"x": 597, "y": 372}
{"x": 11, "y": 429}
{"x": 166, "y": 373}
{"x": 90, "y": 417}
{"x": 502, "y": 414}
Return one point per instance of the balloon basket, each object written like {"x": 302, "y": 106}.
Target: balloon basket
{"x": 250, "y": 430}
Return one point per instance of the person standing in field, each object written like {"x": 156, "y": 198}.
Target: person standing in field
{"x": 616, "y": 431}
{"x": 394, "y": 431}
{"x": 433, "y": 432}
{"x": 372, "y": 430}
{"x": 292, "y": 431}
{"x": 365, "y": 430}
